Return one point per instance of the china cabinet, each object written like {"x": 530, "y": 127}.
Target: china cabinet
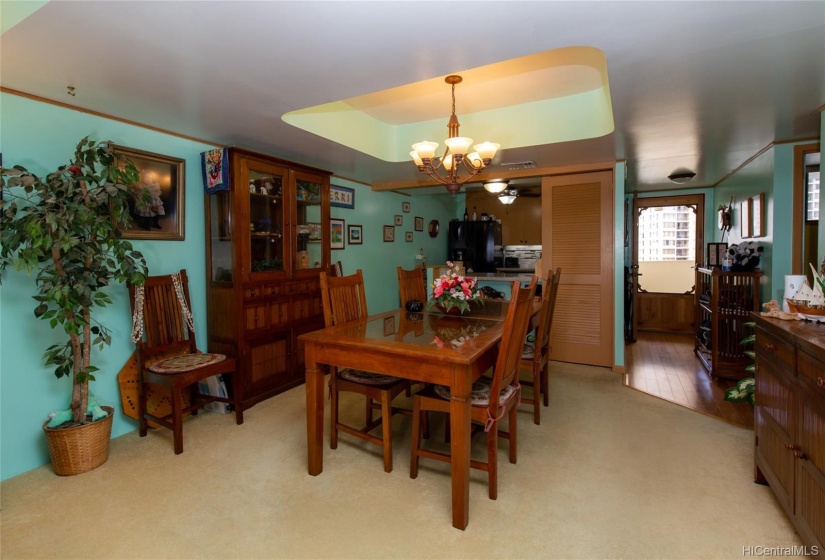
{"x": 724, "y": 301}
{"x": 267, "y": 241}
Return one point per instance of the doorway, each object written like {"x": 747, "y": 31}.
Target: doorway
{"x": 806, "y": 186}
{"x": 668, "y": 241}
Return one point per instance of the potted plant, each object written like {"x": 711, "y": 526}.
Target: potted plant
{"x": 67, "y": 228}
{"x": 744, "y": 389}
{"x": 453, "y": 293}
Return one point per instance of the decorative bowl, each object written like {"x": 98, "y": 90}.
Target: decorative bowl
{"x": 414, "y": 305}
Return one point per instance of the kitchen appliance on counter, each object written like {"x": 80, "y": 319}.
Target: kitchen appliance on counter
{"x": 475, "y": 244}
{"x": 520, "y": 258}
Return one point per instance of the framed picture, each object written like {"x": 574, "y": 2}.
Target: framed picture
{"x": 342, "y": 197}
{"x": 745, "y": 218}
{"x": 336, "y": 233}
{"x": 408, "y": 236}
{"x": 156, "y": 205}
{"x": 716, "y": 254}
{"x": 405, "y": 207}
{"x": 389, "y": 233}
{"x": 389, "y": 325}
{"x": 419, "y": 223}
{"x": 355, "y": 235}
{"x": 758, "y": 215}
{"x": 399, "y": 220}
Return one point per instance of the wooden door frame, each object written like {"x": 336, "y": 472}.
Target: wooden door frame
{"x": 798, "y": 204}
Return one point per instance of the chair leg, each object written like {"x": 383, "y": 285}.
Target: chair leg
{"x": 236, "y": 397}
{"x": 177, "y": 417}
{"x": 415, "y": 437}
{"x": 492, "y": 461}
{"x": 386, "y": 430}
{"x": 545, "y": 383}
{"x": 513, "y": 432}
{"x": 193, "y": 398}
{"x": 536, "y": 396}
{"x": 333, "y": 411}
{"x": 368, "y": 411}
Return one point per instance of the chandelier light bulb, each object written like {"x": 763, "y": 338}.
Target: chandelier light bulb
{"x": 459, "y": 145}
{"x": 426, "y": 149}
{"x": 487, "y": 150}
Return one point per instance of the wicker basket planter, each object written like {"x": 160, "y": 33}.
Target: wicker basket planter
{"x": 81, "y": 448}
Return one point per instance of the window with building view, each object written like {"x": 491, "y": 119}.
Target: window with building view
{"x": 667, "y": 248}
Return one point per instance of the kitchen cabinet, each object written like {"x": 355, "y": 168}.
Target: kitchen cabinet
{"x": 520, "y": 221}
{"x": 724, "y": 301}
{"x": 267, "y": 242}
{"x": 790, "y": 421}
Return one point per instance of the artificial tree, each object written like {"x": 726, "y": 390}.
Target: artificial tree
{"x": 67, "y": 228}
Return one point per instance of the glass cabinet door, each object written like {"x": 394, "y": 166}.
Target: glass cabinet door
{"x": 220, "y": 234}
{"x": 308, "y": 222}
{"x": 267, "y": 217}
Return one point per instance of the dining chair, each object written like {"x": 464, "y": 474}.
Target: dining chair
{"x": 344, "y": 300}
{"x": 535, "y": 356}
{"x": 486, "y": 412}
{"x": 411, "y": 285}
{"x": 164, "y": 333}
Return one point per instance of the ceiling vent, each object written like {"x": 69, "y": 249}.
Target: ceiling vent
{"x": 515, "y": 166}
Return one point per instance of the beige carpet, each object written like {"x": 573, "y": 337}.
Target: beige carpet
{"x": 610, "y": 473}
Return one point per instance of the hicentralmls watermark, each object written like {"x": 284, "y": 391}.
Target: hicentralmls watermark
{"x": 780, "y": 550}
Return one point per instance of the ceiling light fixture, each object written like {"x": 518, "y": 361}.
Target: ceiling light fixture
{"x": 495, "y": 186}
{"x": 508, "y": 196}
{"x": 682, "y": 177}
{"x": 455, "y": 153}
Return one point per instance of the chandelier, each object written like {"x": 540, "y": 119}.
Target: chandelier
{"x": 447, "y": 168}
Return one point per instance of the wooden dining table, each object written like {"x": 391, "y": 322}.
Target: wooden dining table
{"x": 426, "y": 347}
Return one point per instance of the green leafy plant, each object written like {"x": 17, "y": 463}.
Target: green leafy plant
{"x": 67, "y": 228}
{"x": 744, "y": 389}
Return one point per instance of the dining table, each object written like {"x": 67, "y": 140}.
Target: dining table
{"x": 426, "y": 347}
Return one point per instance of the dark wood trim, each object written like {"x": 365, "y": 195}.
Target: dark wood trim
{"x": 798, "y": 204}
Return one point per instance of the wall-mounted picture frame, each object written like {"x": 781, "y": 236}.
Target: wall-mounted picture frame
{"x": 405, "y": 207}
{"x": 336, "y": 233}
{"x": 419, "y": 223}
{"x": 408, "y": 236}
{"x": 355, "y": 234}
{"x": 716, "y": 254}
{"x": 758, "y": 215}
{"x": 745, "y": 218}
{"x": 342, "y": 197}
{"x": 389, "y": 233}
{"x": 399, "y": 220}
{"x": 157, "y": 202}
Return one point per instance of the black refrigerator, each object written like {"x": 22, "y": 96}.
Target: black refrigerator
{"x": 474, "y": 243}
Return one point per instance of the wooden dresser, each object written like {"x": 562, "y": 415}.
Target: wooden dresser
{"x": 790, "y": 421}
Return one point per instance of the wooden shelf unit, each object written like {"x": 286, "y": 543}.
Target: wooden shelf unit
{"x": 724, "y": 301}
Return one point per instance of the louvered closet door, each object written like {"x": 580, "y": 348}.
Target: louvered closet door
{"x": 577, "y": 235}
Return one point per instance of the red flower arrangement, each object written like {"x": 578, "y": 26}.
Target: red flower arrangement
{"x": 452, "y": 290}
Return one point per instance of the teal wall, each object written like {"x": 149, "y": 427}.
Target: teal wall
{"x": 42, "y": 136}
{"x": 619, "y": 171}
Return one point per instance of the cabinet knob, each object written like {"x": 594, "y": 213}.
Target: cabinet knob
{"x": 769, "y": 346}
{"x": 820, "y": 382}
{"x": 798, "y": 454}
{"x": 788, "y": 445}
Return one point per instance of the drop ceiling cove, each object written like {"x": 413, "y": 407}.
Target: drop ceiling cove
{"x": 553, "y": 96}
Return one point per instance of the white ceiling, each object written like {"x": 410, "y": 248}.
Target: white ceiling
{"x": 696, "y": 85}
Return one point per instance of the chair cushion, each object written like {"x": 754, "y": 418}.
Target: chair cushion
{"x": 481, "y": 392}
{"x": 528, "y": 351}
{"x": 185, "y": 362}
{"x": 365, "y": 377}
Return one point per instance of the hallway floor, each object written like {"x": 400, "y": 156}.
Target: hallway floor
{"x": 664, "y": 365}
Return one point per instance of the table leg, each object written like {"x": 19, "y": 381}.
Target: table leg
{"x": 460, "y": 445}
{"x": 315, "y": 412}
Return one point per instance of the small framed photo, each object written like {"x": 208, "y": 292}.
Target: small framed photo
{"x": 758, "y": 215}
{"x": 419, "y": 223}
{"x": 389, "y": 233}
{"x": 745, "y": 217}
{"x": 157, "y": 204}
{"x": 399, "y": 220}
{"x": 409, "y": 236}
{"x": 716, "y": 254}
{"x": 336, "y": 233}
{"x": 405, "y": 207}
{"x": 389, "y": 325}
{"x": 341, "y": 197}
{"x": 354, "y": 235}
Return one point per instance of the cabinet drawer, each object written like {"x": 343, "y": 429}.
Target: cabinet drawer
{"x": 256, "y": 291}
{"x": 812, "y": 371}
{"x": 779, "y": 353}
{"x": 301, "y": 287}
{"x": 266, "y": 315}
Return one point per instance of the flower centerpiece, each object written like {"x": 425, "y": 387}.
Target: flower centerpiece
{"x": 453, "y": 293}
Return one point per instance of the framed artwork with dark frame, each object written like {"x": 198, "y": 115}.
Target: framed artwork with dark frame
{"x": 389, "y": 233}
{"x": 419, "y": 223}
{"x": 156, "y": 204}
{"x": 758, "y": 215}
{"x": 716, "y": 254}
{"x": 408, "y": 236}
{"x": 355, "y": 234}
{"x": 399, "y": 220}
{"x": 405, "y": 207}
{"x": 745, "y": 217}
{"x": 342, "y": 197}
{"x": 336, "y": 233}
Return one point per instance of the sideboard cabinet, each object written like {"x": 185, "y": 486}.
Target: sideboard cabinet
{"x": 267, "y": 242}
{"x": 790, "y": 421}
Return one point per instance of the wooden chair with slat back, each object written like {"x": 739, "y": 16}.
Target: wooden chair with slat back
{"x": 167, "y": 354}
{"x": 411, "y": 285}
{"x": 536, "y": 356}
{"x": 485, "y": 411}
{"x": 344, "y": 300}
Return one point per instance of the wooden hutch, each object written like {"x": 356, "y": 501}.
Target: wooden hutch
{"x": 267, "y": 242}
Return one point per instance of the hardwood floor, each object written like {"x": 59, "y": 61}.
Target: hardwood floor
{"x": 663, "y": 364}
